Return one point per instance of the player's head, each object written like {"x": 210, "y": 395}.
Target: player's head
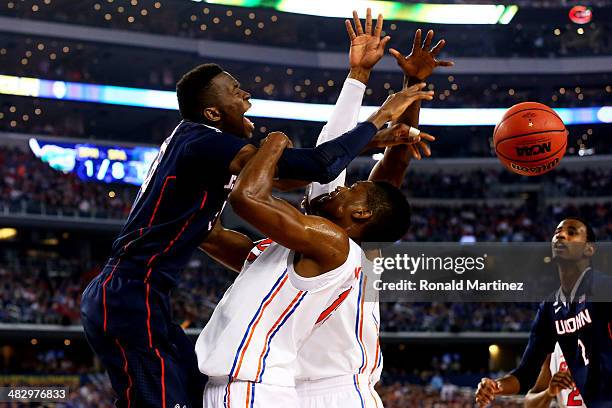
{"x": 208, "y": 94}
{"x": 573, "y": 240}
{"x": 369, "y": 211}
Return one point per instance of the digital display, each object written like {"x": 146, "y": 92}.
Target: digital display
{"x": 92, "y": 162}
{"x": 392, "y": 10}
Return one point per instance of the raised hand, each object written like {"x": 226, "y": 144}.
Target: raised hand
{"x": 421, "y": 61}
{"x": 367, "y": 48}
{"x": 396, "y": 104}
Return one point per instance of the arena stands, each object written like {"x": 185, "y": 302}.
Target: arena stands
{"x": 56, "y": 229}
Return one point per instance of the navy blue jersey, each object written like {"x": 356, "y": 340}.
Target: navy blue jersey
{"x": 182, "y": 196}
{"x": 583, "y": 328}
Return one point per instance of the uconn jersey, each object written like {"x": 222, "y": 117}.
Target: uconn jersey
{"x": 582, "y": 325}
{"x": 178, "y": 203}
{"x": 262, "y": 321}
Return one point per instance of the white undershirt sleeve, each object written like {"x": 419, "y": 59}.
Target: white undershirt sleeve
{"x": 344, "y": 117}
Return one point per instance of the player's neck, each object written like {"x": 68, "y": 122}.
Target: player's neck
{"x": 569, "y": 273}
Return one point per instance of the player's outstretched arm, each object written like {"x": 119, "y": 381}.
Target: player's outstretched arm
{"x": 320, "y": 241}
{"x": 547, "y": 387}
{"x": 488, "y": 389}
{"x": 229, "y": 248}
{"x": 325, "y": 162}
{"x": 417, "y": 67}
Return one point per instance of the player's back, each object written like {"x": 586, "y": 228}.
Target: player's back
{"x": 263, "y": 319}
{"x": 566, "y": 398}
{"x": 343, "y": 351}
{"x": 179, "y": 201}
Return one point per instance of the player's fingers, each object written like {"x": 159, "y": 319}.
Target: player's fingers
{"x": 383, "y": 43}
{"x": 349, "y": 29}
{"x": 358, "y": 27}
{"x": 445, "y": 63}
{"x": 417, "y": 40}
{"x": 438, "y": 47}
{"x": 368, "y": 27}
{"x": 427, "y": 136}
{"x": 379, "y": 26}
{"x": 397, "y": 55}
{"x": 415, "y": 87}
{"x": 428, "y": 39}
{"x": 414, "y": 152}
{"x": 424, "y": 147}
{"x": 424, "y": 95}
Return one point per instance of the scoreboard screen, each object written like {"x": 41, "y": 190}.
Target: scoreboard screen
{"x": 94, "y": 162}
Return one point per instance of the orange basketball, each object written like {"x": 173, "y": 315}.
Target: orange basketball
{"x": 530, "y": 139}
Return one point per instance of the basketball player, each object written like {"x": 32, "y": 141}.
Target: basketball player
{"x": 126, "y": 309}
{"x": 554, "y": 382}
{"x": 239, "y": 377}
{"x": 575, "y": 317}
{"x": 249, "y": 346}
{"x": 341, "y": 361}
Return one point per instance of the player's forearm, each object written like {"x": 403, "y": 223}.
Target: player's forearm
{"x": 256, "y": 180}
{"x": 508, "y": 385}
{"x": 394, "y": 164}
{"x": 325, "y": 162}
{"x": 360, "y": 74}
{"x": 538, "y": 399}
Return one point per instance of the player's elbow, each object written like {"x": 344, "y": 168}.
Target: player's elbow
{"x": 242, "y": 201}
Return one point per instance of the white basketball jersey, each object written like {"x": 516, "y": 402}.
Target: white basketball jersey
{"x": 347, "y": 342}
{"x": 566, "y": 398}
{"x": 264, "y": 318}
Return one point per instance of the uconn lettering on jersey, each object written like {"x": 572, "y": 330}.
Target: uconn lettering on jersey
{"x": 573, "y": 324}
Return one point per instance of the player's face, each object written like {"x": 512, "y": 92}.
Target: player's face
{"x": 569, "y": 240}
{"x": 336, "y": 203}
{"x": 233, "y": 103}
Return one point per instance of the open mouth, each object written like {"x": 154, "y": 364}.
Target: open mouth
{"x": 559, "y": 246}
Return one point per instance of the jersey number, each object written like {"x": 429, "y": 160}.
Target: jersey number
{"x": 583, "y": 349}
{"x": 573, "y": 399}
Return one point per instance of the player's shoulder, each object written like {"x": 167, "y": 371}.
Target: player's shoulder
{"x": 190, "y": 128}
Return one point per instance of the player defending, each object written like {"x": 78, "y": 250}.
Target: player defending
{"x": 554, "y": 382}
{"x": 587, "y": 348}
{"x": 341, "y": 361}
{"x": 126, "y": 310}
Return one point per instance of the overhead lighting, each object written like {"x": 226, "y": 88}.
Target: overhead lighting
{"x": 392, "y": 10}
{"x": 311, "y": 112}
{"x": 7, "y": 233}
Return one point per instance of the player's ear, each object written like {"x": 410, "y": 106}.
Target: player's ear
{"x": 212, "y": 114}
{"x": 361, "y": 214}
{"x": 589, "y": 249}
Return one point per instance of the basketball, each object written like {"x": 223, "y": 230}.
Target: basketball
{"x": 530, "y": 139}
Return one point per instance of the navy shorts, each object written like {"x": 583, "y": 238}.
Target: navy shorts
{"x": 150, "y": 360}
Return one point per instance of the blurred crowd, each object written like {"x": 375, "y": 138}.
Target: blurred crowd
{"x": 456, "y": 317}
{"x": 401, "y": 395}
{"x": 77, "y": 61}
{"x": 535, "y": 35}
{"x": 27, "y": 185}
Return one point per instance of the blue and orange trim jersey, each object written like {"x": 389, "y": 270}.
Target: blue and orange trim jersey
{"x": 264, "y": 318}
{"x": 582, "y": 326}
{"x": 347, "y": 341}
{"x": 182, "y": 196}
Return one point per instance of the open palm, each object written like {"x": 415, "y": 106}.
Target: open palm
{"x": 421, "y": 61}
{"x": 367, "y": 48}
